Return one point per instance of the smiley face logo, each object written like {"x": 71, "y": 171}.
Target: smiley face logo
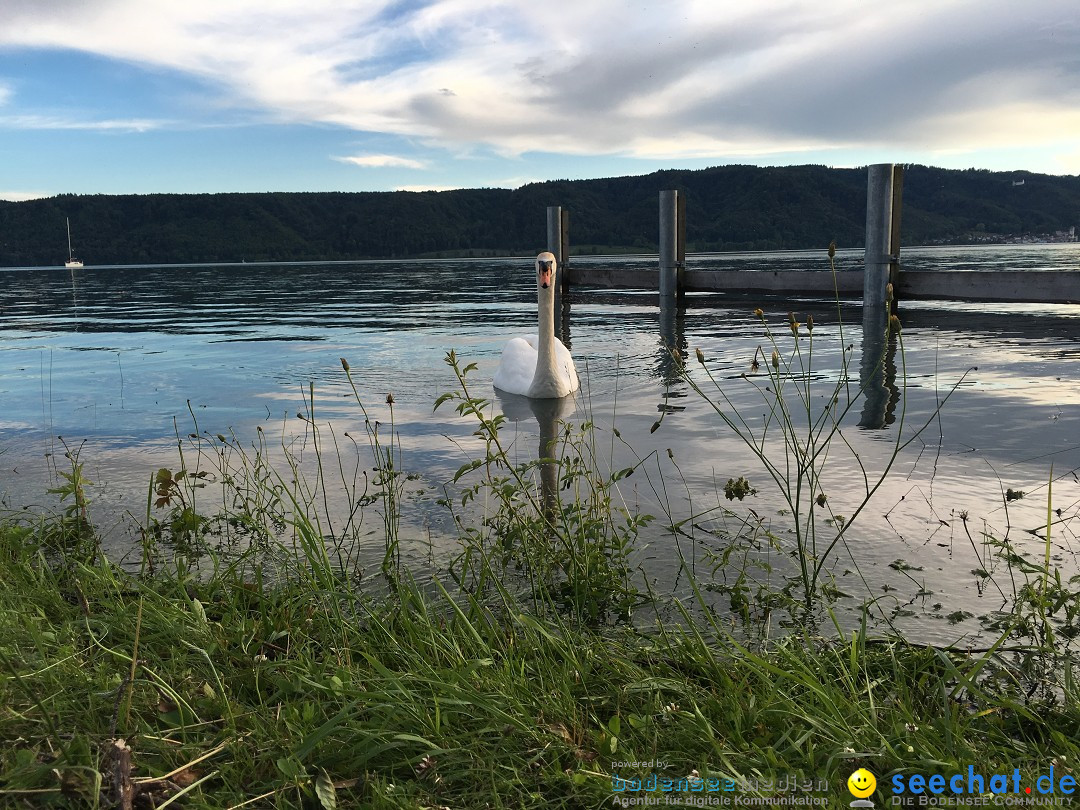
{"x": 861, "y": 783}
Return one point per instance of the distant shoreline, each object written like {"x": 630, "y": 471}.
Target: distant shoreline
{"x": 729, "y": 209}
{"x": 698, "y": 255}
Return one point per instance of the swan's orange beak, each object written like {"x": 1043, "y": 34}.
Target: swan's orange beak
{"x": 545, "y": 271}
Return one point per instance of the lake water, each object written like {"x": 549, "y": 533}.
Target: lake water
{"x": 110, "y": 357}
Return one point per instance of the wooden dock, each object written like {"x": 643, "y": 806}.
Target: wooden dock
{"x": 1027, "y": 286}
{"x": 882, "y": 264}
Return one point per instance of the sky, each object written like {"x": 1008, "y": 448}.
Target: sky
{"x": 195, "y": 96}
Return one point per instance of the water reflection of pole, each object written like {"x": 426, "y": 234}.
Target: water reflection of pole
{"x": 74, "y": 292}
{"x": 877, "y": 370}
{"x": 672, "y": 338}
{"x": 548, "y": 413}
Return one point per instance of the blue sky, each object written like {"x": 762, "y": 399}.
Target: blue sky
{"x": 145, "y": 96}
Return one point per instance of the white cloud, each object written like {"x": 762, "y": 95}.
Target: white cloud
{"x": 422, "y": 187}
{"x": 58, "y": 122}
{"x": 380, "y": 161}
{"x": 20, "y": 196}
{"x": 516, "y": 182}
{"x": 699, "y": 78}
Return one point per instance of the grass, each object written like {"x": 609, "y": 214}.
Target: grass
{"x": 233, "y": 689}
{"x": 236, "y": 692}
{"x": 242, "y": 663}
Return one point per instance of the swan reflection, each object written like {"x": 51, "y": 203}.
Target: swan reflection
{"x": 548, "y": 413}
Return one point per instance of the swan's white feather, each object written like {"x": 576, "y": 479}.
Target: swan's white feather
{"x": 518, "y": 366}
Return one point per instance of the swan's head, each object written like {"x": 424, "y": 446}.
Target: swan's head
{"x": 545, "y": 269}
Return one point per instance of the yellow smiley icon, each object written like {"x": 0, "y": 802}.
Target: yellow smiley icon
{"x": 861, "y": 783}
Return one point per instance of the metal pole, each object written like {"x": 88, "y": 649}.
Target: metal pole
{"x": 884, "y": 191}
{"x": 558, "y": 243}
{"x": 879, "y": 233}
{"x": 564, "y": 246}
{"x": 672, "y": 243}
{"x": 894, "y": 233}
{"x": 558, "y": 238}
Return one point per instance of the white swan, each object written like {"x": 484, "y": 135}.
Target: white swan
{"x": 539, "y": 366}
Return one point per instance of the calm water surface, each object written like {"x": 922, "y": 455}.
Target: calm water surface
{"x": 121, "y": 360}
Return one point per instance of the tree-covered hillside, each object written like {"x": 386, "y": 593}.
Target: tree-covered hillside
{"x": 728, "y": 208}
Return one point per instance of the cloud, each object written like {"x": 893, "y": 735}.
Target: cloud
{"x": 20, "y": 196}
{"x": 422, "y": 187}
{"x": 380, "y": 161}
{"x": 699, "y": 78}
{"x": 59, "y": 122}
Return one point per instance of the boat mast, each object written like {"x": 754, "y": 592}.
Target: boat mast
{"x": 71, "y": 254}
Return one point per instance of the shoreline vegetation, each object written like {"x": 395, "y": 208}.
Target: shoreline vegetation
{"x": 730, "y": 208}
{"x": 243, "y": 659}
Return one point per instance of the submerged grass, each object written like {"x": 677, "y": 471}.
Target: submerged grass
{"x": 530, "y": 672}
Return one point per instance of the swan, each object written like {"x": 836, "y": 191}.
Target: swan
{"x": 539, "y": 366}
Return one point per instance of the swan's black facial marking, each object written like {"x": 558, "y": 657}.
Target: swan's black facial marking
{"x": 544, "y": 270}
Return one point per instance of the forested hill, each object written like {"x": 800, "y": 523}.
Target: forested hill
{"x": 728, "y": 208}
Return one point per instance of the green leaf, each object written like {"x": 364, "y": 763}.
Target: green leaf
{"x": 465, "y": 469}
{"x": 290, "y": 768}
{"x": 324, "y": 789}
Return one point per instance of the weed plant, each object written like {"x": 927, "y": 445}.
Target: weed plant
{"x": 798, "y": 440}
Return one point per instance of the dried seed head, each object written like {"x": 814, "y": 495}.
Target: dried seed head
{"x": 775, "y": 359}
{"x": 889, "y": 291}
{"x": 759, "y": 313}
{"x": 655, "y": 426}
{"x": 832, "y": 249}
{"x": 700, "y": 356}
{"x": 894, "y": 323}
{"x": 389, "y": 399}
{"x": 809, "y": 323}
{"x": 427, "y": 764}
{"x": 344, "y": 363}
{"x": 754, "y": 364}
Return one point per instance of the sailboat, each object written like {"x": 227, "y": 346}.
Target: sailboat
{"x": 72, "y": 261}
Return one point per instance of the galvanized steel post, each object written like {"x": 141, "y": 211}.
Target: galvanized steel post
{"x": 877, "y": 369}
{"x": 884, "y": 193}
{"x": 558, "y": 240}
{"x": 672, "y": 243}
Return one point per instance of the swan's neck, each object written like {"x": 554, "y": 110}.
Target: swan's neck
{"x": 545, "y": 382}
